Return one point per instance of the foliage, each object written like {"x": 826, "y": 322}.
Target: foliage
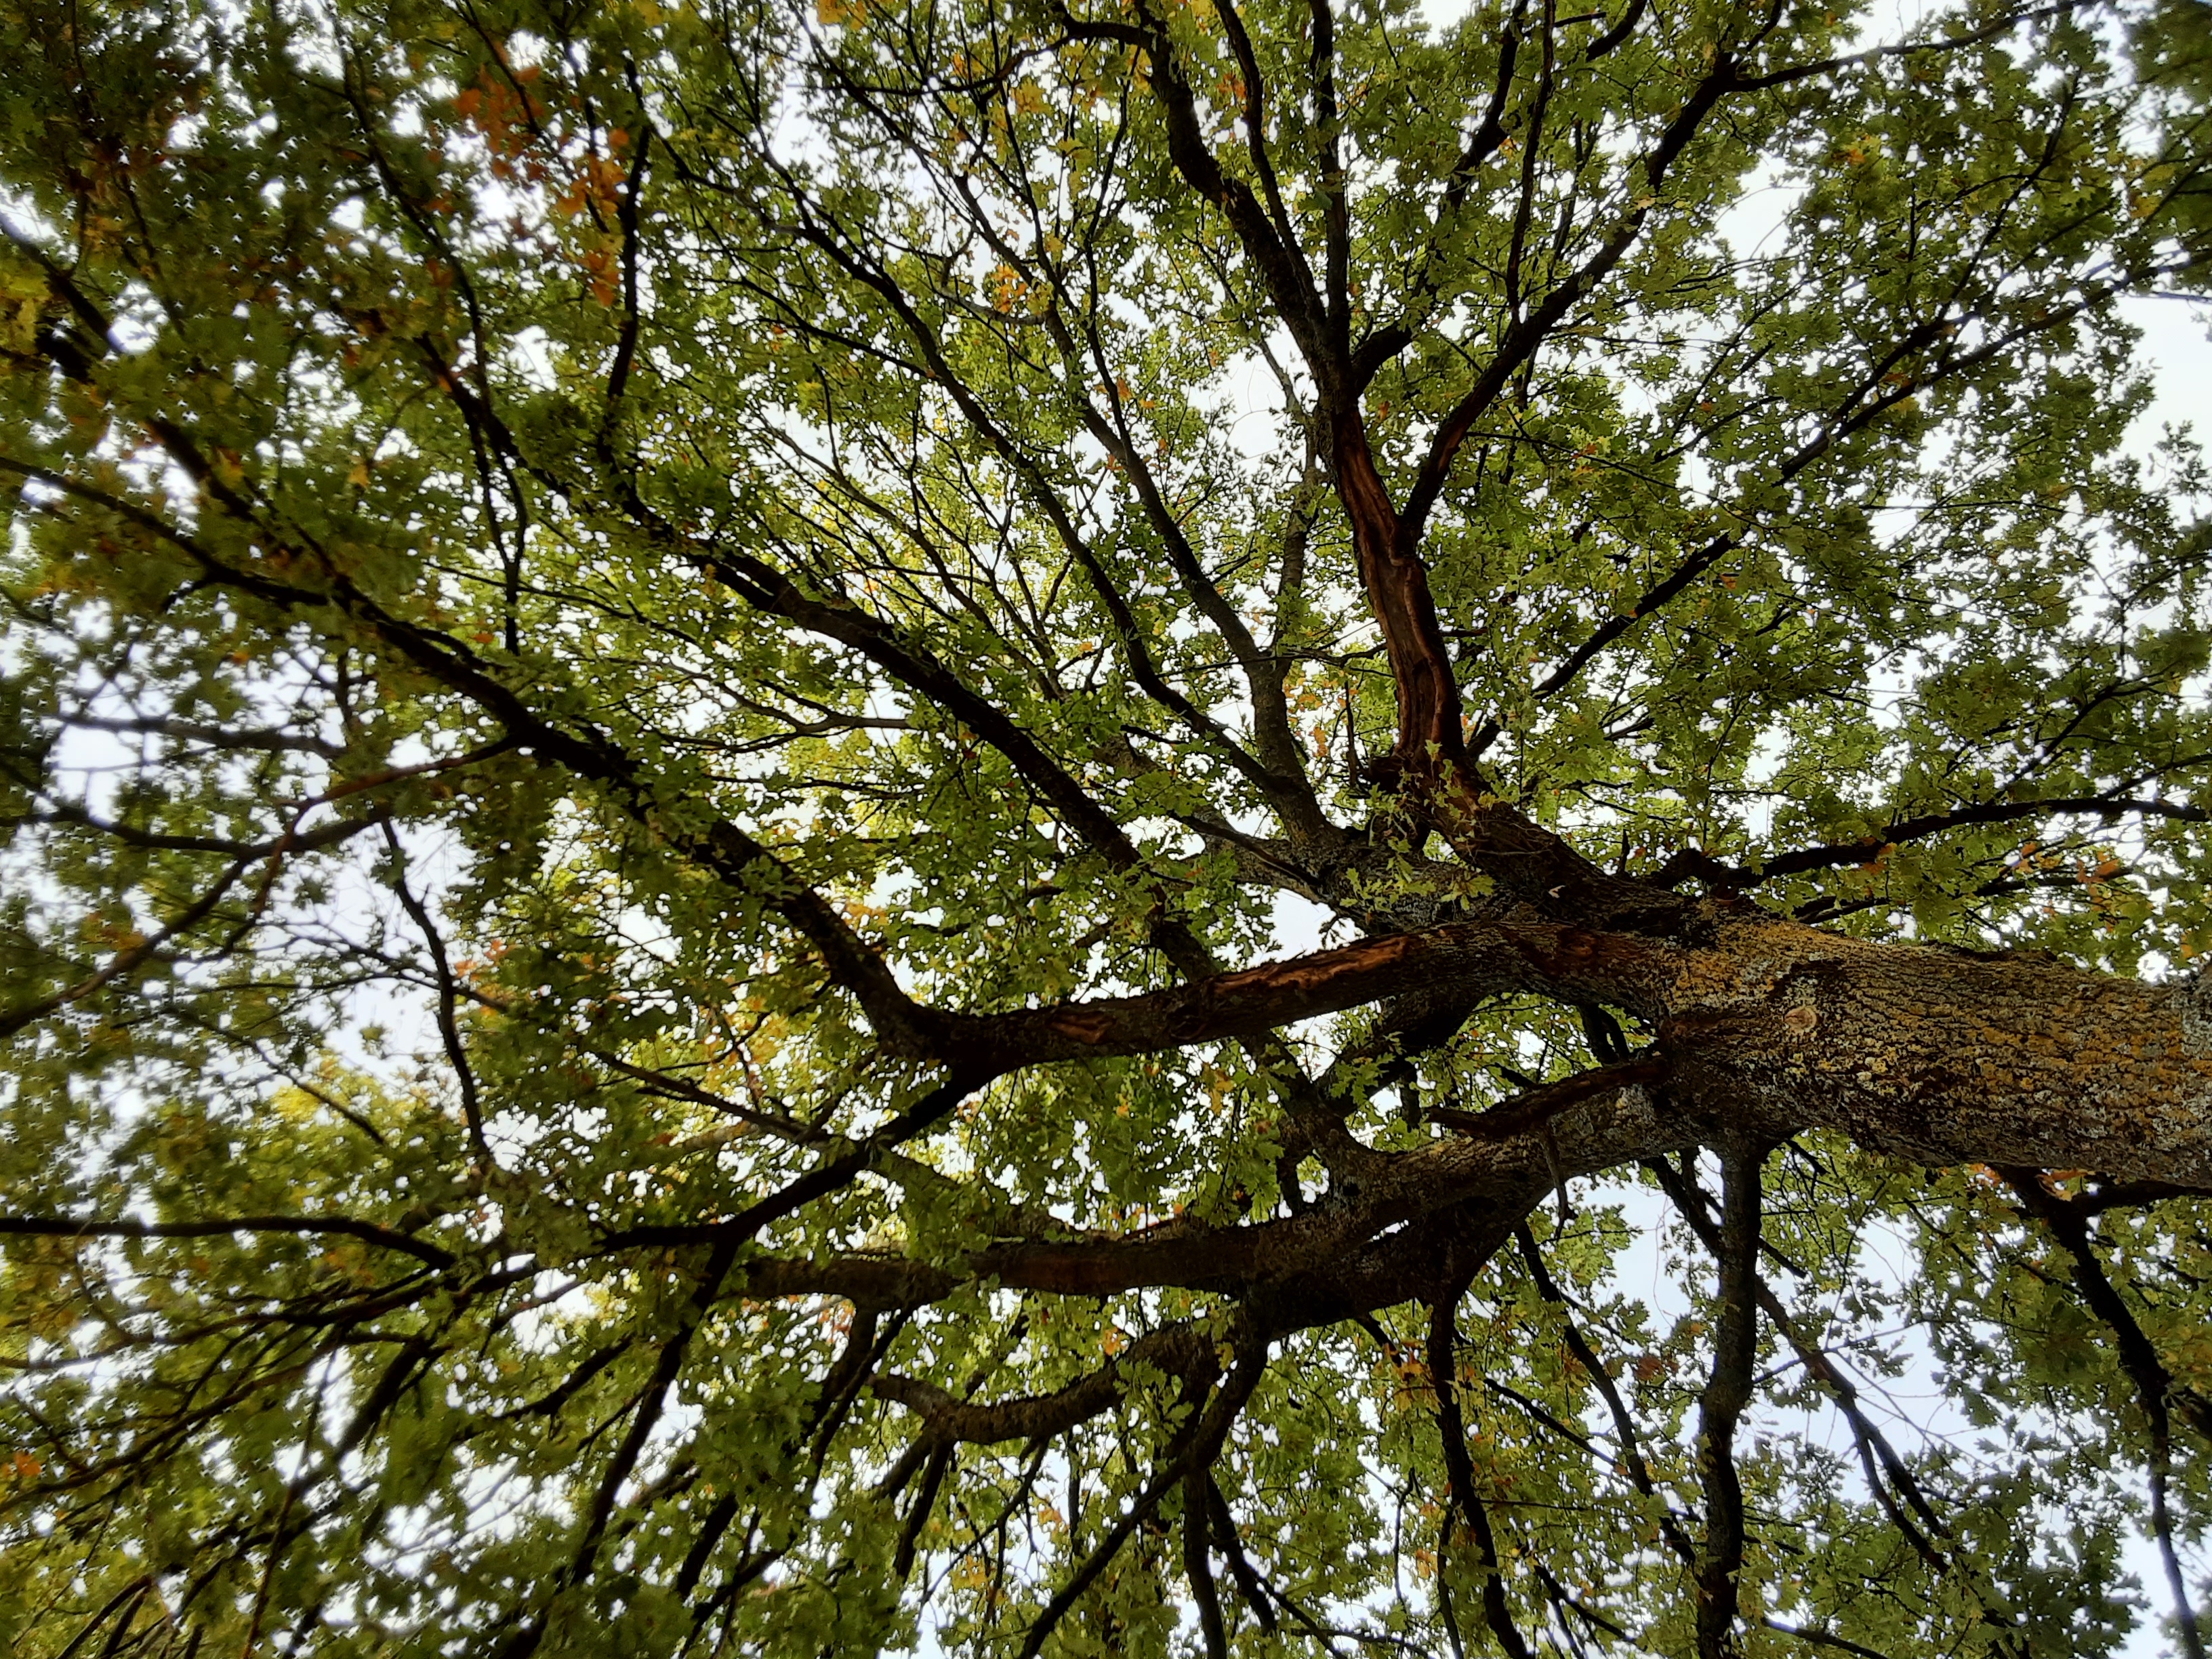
{"x": 604, "y": 601}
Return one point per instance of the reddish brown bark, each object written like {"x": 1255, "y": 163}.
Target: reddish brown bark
{"x": 1431, "y": 742}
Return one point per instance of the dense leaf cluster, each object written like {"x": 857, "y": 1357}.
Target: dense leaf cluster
{"x": 662, "y": 656}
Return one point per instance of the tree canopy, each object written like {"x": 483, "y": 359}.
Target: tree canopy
{"x": 1061, "y": 827}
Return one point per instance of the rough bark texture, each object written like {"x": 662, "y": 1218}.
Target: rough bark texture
{"x": 1947, "y": 1056}
{"x": 1928, "y": 1052}
{"x": 954, "y": 455}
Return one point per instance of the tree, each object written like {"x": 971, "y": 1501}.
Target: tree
{"x": 999, "y": 817}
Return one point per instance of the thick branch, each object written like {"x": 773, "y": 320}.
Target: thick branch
{"x": 1514, "y": 950}
{"x": 1179, "y": 1351}
{"x": 1726, "y": 1396}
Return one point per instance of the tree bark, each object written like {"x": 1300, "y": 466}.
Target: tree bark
{"x": 1767, "y": 1025}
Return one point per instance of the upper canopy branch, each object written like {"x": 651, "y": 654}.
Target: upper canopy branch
{"x": 1691, "y": 862}
{"x": 583, "y": 751}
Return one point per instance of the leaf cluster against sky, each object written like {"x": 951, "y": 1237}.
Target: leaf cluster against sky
{"x": 662, "y": 658}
